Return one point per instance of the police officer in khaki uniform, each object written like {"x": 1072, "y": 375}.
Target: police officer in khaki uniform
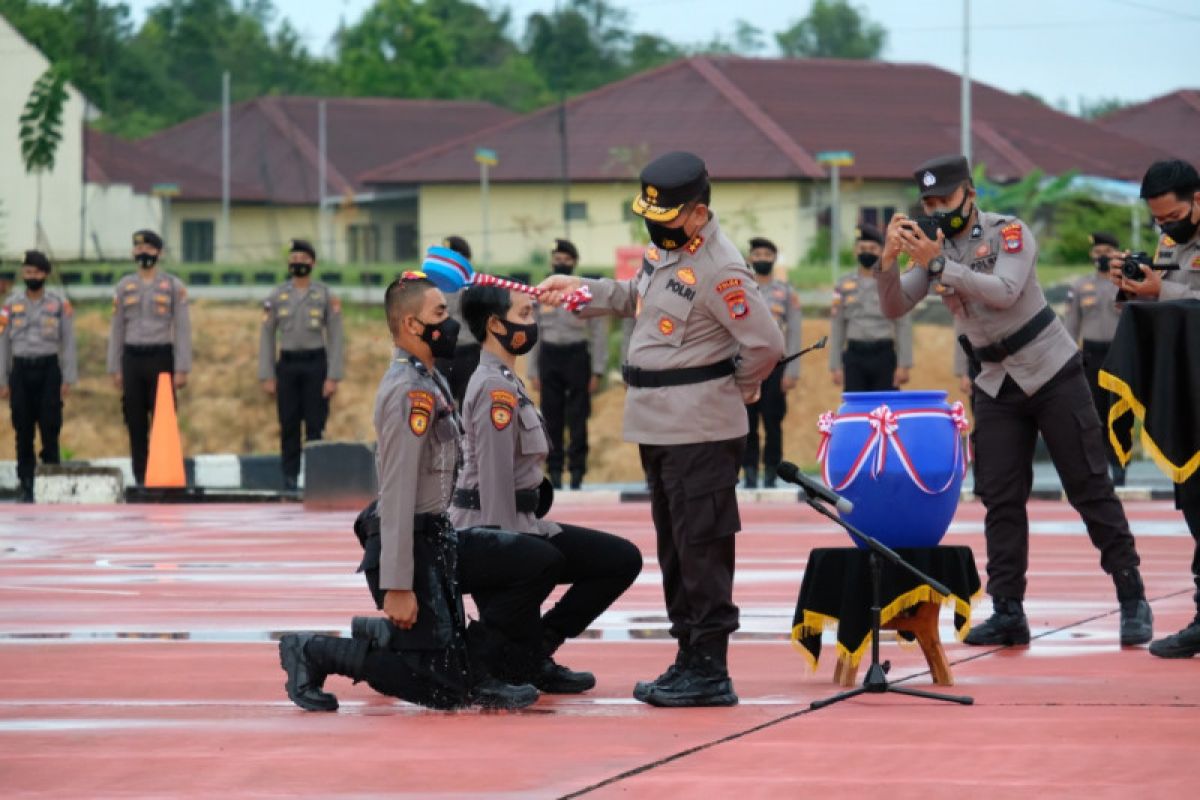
{"x": 771, "y": 407}
{"x": 151, "y": 333}
{"x": 1171, "y": 190}
{"x": 1031, "y": 379}
{"x": 867, "y": 352}
{"x": 1092, "y": 316}
{"x": 37, "y": 365}
{"x": 459, "y": 366}
{"x": 509, "y": 574}
{"x": 566, "y": 367}
{"x": 703, "y": 342}
{"x": 507, "y": 444}
{"x": 306, "y": 317}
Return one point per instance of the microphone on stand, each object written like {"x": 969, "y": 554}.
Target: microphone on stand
{"x": 792, "y": 474}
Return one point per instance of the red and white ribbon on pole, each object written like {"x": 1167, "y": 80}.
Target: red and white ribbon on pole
{"x": 573, "y": 301}
{"x": 885, "y": 436}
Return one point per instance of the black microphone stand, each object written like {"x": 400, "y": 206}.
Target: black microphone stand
{"x": 876, "y": 681}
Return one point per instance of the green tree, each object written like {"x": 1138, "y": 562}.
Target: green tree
{"x": 1099, "y": 107}
{"x": 40, "y": 132}
{"x": 833, "y": 29}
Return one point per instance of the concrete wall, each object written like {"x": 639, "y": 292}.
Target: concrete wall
{"x": 62, "y": 187}
{"x": 114, "y": 212}
{"x": 260, "y": 233}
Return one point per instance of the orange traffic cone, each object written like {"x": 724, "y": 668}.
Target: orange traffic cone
{"x": 164, "y": 468}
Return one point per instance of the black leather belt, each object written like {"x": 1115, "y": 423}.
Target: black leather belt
{"x": 302, "y": 355}
{"x": 1010, "y": 345}
{"x": 422, "y": 524}
{"x": 34, "y": 361}
{"x": 870, "y": 345}
{"x": 657, "y": 378}
{"x": 1096, "y": 346}
{"x": 149, "y": 349}
{"x": 527, "y": 500}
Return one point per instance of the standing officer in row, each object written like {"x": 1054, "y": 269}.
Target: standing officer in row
{"x": 566, "y": 367}
{"x": 307, "y": 317}
{"x": 1092, "y": 316}
{"x": 868, "y": 352}
{"x": 784, "y": 304}
{"x": 1171, "y": 190}
{"x": 151, "y": 334}
{"x": 702, "y": 344}
{"x": 37, "y": 365}
{"x": 459, "y": 367}
{"x": 1030, "y": 379}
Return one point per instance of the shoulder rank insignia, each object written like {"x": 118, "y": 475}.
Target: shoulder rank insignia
{"x": 1166, "y": 241}
{"x": 652, "y": 253}
{"x": 686, "y": 275}
{"x": 695, "y": 244}
{"x": 1012, "y": 236}
{"x": 421, "y": 409}
{"x": 503, "y": 404}
{"x": 3, "y": 318}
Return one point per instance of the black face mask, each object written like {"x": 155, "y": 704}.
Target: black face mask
{"x": 1182, "y": 230}
{"x": 517, "y": 339}
{"x": 441, "y": 337}
{"x": 952, "y": 223}
{"x": 299, "y": 269}
{"x": 561, "y": 268}
{"x": 146, "y": 260}
{"x": 763, "y": 267}
{"x": 667, "y": 238}
{"x": 867, "y": 260}
{"x": 1102, "y": 263}
{"x": 35, "y": 284}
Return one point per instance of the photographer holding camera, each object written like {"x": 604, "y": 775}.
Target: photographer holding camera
{"x": 1171, "y": 190}
{"x": 1028, "y": 379}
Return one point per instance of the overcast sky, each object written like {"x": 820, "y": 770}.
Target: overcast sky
{"x": 1062, "y": 50}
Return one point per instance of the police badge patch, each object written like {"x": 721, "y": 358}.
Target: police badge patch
{"x": 1012, "y": 237}
{"x": 421, "y": 409}
{"x": 503, "y": 404}
{"x": 736, "y": 302}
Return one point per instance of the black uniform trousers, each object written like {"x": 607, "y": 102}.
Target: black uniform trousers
{"x": 140, "y": 367}
{"x": 459, "y": 369}
{"x": 1187, "y": 500}
{"x": 299, "y": 397}
{"x": 693, "y": 502}
{"x": 35, "y": 387}
{"x": 598, "y": 567}
{"x": 1006, "y": 429}
{"x": 869, "y": 366}
{"x": 771, "y": 408}
{"x": 1093, "y": 357}
{"x": 565, "y": 371}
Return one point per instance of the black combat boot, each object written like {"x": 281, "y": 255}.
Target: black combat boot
{"x": 556, "y": 480}
{"x": 26, "y": 495}
{"x": 1006, "y": 626}
{"x": 749, "y": 478}
{"x": 768, "y": 477}
{"x": 308, "y": 658}
{"x": 291, "y": 484}
{"x": 642, "y": 689}
{"x": 703, "y": 681}
{"x": 576, "y": 480}
{"x": 1184, "y": 644}
{"x": 372, "y": 629}
{"x": 1137, "y": 620}
{"x": 552, "y": 677}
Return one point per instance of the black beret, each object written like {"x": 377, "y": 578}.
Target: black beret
{"x": 564, "y": 246}
{"x": 302, "y": 246}
{"x": 148, "y": 237}
{"x": 1101, "y": 237}
{"x": 868, "y": 233}
{"x": 941, "y": 176}
{"x": 669, "y": 183}
{"x": 36, "y": 258}
{"x": 458, "y": 245}
{"x": 759, "y": 241}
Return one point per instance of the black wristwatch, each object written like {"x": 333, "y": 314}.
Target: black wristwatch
{"x": 935, "y": 266}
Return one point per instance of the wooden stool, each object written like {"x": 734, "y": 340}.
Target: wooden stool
{"x": 921, "y": 621}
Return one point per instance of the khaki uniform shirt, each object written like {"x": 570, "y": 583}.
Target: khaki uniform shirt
{"x": 992, "y": 273}
{"x": 855, "y": 315}
{"x": 151, "y": 312}
{"x": 35, "y": 328}
{"x": 559, "y": 326}
{"x": 784, "y": 304}
{"x": 506, "y": 447}
{"x": 1092, "y": 309}
{"x": 1182, "y": 283}
{"x": 695, "y": 306}
{"x": 305, "y": 319}
{"x": 418, "y": 434}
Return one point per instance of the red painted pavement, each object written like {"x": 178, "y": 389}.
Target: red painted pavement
{"x": 137, "y": 659}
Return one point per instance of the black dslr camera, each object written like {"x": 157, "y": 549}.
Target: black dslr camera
{"x": 928, "y": 225}
{"x": 1131, "y": 268}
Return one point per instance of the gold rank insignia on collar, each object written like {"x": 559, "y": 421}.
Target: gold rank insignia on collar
{"x": 694, "y": 244}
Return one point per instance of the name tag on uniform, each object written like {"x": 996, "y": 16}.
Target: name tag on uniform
{"x": 131, "y": 299}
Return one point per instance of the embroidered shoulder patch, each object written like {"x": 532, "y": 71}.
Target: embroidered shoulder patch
{"x": 736, "y": 303}
{"x": 727, "y": 284}
{"x": 68, "y": 309}
{"x": 1012, "y": 236}
{"x": 503, "y": 404}
{"x": 422, "y": 409}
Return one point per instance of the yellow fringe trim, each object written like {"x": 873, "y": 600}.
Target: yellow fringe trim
{"x": 1128, "y": 403}
{"x": 814, "y": 624}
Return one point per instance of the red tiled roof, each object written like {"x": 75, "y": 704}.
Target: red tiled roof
{"x": 764, "y": 119}
{"x": 114, "y": 160}
{"x": 274, "y": 140}
{"x": 1170, "y": 123}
